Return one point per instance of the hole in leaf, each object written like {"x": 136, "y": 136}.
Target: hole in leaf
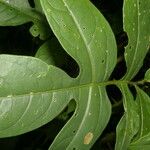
{"x": 74, "y": 131}
{"x": 103, "y": 61}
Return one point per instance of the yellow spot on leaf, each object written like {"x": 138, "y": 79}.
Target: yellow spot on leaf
{"x": 88, "y": 138}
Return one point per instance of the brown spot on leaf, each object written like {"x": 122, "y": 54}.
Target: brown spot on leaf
{"x": 88, "y": 138}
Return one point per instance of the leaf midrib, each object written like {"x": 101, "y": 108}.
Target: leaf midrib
{"x": 105, "y": 83}
{"x": 84, "y": 40}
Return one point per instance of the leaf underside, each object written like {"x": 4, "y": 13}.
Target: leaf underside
{"x": 34, "y": 91}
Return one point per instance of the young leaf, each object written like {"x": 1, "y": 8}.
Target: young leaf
{"x": 17, "y": 12}
{"x": 129, "y": 123}
{"x": 36, "y": 92}
{"x": 136, "y": 24}
{"x": 52, "y": 53}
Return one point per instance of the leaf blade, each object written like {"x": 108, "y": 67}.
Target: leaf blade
{"x": 143, "y": 136}
{"x": 136, "y": 24}
{"x": 129, "y": 123}
{"x": 92, "y": 121}
{"x": 31, "y": 86}
{"x": 79, "y": 39}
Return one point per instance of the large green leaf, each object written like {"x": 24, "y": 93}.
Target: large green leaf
{"x": 133, "y": 130}
{"x": 136, "y": 24}
{"x": 17, "y": 12}
{"x": 129, "y": 123}
{"x": 34, "y": 92}
{"x": 143, "y": 137}
{"x": 85, "y": 35}
{"x": 28, "y": 94}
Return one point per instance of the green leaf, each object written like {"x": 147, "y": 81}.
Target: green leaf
{"x": 147, "y": 75}
{"x": 9, "y": 12}
{"x": 136, "y": 24}
{"x": 37, "y": 92}
{"x": 17, "y": 12}
{"x": 133, "y": 130}
{"x": 143, "y": 136}
{"x": 139, "y": 147}
{"x": 85, "y": 39}
{"x": 38, "y": 5}
{"x": 129, "y": 123}
{"x": 28, "y": 93}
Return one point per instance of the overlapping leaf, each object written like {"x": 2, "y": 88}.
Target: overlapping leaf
{"x": 143, "y": 137}
{"x": 133, "y": 131}
{"x": 17, "y": 12}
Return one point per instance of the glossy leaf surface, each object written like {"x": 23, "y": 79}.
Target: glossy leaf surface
{"x": 136, "y": 24}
